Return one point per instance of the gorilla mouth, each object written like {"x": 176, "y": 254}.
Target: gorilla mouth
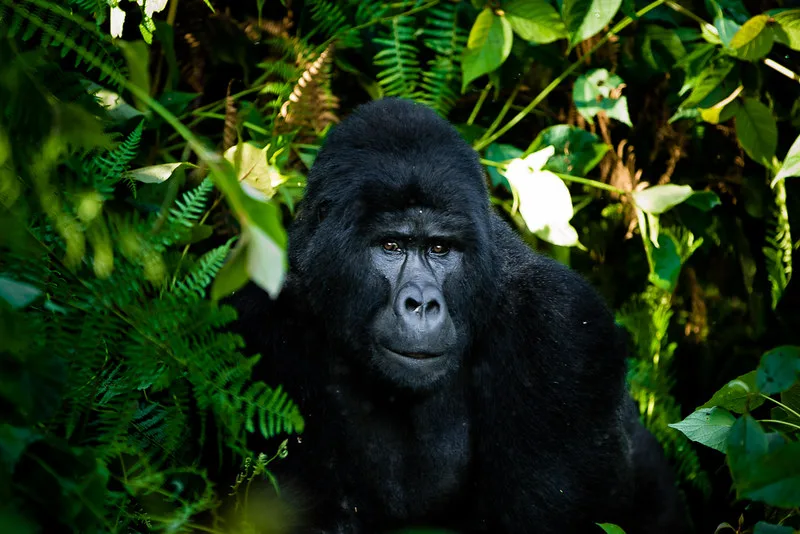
{"x": 413, "y": 355}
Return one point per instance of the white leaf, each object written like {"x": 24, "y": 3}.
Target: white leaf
{"x": 545, "y": 203}
{"x": 154, "y": 174}
{"x": 117, "y": 21}
{"x": 154, "y": 6}
{"x": 265, "y": 260}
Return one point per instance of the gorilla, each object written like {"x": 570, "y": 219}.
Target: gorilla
{"x": 450, "y": 377}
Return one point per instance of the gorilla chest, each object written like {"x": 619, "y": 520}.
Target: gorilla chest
{"x": 408, "y": 461}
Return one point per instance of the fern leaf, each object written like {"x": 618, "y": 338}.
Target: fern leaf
{"x": 106, "y": 170}
{"x": 401, "y": 71}
{"x": 443, "y": 36}
{"x": 183, "y": 216}
{"x": 193, "y": 286}
{"x": 778, "y": 252}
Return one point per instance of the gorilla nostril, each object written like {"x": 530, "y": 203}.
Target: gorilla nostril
{"x": 432, "y": 307}
{"x": 413, "y": 305}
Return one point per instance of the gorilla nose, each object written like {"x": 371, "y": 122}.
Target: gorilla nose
{"x": 421, "y": 307}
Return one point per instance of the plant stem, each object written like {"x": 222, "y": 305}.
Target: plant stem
{"x": 489, "y": 137}
{"x": 591, "y": 183}
{"x": 782, "y": 405}
{"x": 479, "y": 104}
{"x": 778, "y": 421}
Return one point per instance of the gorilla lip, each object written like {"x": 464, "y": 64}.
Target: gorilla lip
{"x": 414, "y": 355}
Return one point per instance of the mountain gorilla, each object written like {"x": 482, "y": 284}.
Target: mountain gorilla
{"x": 449, "y": 376}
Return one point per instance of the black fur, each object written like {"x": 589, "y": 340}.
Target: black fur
{"x": 527, "y": 425}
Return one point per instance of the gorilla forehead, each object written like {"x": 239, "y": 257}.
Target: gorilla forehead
{"x": 398, "y": 154}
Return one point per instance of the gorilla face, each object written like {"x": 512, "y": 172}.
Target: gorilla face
{"x": 414, "y": 337}
{"x": 390, "y": 248}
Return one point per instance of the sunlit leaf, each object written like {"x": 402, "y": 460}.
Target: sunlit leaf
{"x": 791, "y": 164}
{"x": 660, "y": 198}
{"x": 488, "y": 46}
{"x": 754, "y": 39}
{"x": 709, "y": 426}
{"x": 788, "y": 28}
{"x": 253, "y": 171}
{"x": 117, "y": 21}
{"x": 154, "y": 174}
{"x": 585, "y": 18}
{"x": 597, "y": 91}
{"x": 535, "y": 20}
{"x": 757, "y": 131}
{"x": 545, "y": 203}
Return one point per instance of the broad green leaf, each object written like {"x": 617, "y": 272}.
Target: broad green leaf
{"x": 17, "y": 294}
{"x": 711, "y": 77}
{"x": 545, "y": 203}
{"x": 535, "y": 20}
{"x": 660, "y": 198}
{"x": 740, "y": 395}
{"x": 154, "y": 174}
{"x": 709, "y": 426}
{"x": 576, "y": 151}
{"x": 255, "y": 174}
{"x": 703, "y": 200}
{"x": 585, "y": 18}
{"x": 233, "y": 274}
{"x": 787, "y": 31}
{"x": 765, "y": 467}
{"x": 778, "y": 369}
{"x": 791, "y": 164}
{"x": 720, "y": 112}
{"x": 610, "y": 528}
{"x": 757, "y": 131}
{"x": 768, "y": 528}
{"x": 488, "y": 46}
{"x": 754, "y": 39}
{"x": 500, "y": 153}
{"x": 597, "y": 91}
{"x": 726, "y": 28}
{"x": 13, "y": 442}
{"x": 667, "y": 264}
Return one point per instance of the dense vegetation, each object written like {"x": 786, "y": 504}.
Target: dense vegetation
{"x": 152, "y": 152}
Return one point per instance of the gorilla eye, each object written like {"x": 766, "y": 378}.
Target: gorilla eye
{"x": 439, "y": 248}
{"x": 391, "y": 246}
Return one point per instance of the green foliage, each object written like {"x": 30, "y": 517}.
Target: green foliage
{"x": 398, "y": 58}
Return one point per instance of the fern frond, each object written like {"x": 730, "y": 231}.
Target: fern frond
{"x": 188, "y": 209}
{"x": 444, "y": 36}
{"x": 400, "y": 74}
{"x": 106, "y": 170}
{"x": 58, "y": 27}
{"x": 778, "y": 249}
{"x": 332, "y": 22}
{"x": 193, "y": 286}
